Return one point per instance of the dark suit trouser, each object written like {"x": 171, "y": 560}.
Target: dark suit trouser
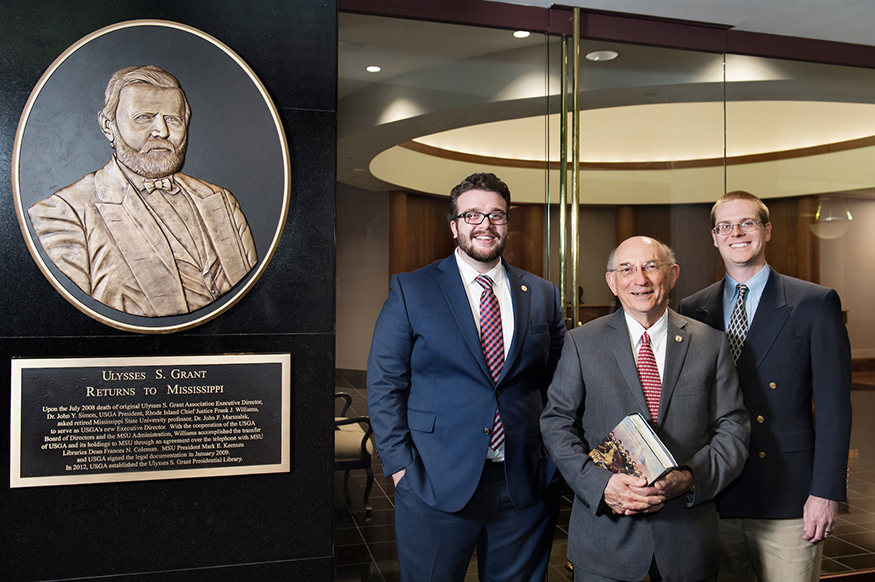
{"x": 512, "y": 546}
{"x": 582, "y": 576}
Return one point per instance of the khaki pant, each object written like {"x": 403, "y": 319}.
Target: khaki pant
{"x": 767, "y": 550}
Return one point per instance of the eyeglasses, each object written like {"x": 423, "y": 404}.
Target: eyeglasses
{"x": 472, "y": 217}
{"x": 749, "y": 225}
{"x": 649, "y": 268}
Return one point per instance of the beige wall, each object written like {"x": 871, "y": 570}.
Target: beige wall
{"x": 847, "y": 264}
{"x": 362, "y": 271}
{"x": 598, "y": 236}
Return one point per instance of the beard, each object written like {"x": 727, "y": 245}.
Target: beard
{"x": 484, "y": 256}
{"x": 156, "y": 159}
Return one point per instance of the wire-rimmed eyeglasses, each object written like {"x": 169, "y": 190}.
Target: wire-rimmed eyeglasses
{"x": 649, "y": 268}
{"x": 472, "y": 217}
{"x": 748, "y": 225}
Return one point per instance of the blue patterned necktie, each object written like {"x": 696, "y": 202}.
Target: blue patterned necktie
{"x": 492, "y": 341}
{"x": 737, "y": 331}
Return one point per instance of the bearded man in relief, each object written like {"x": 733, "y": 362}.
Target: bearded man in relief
{"x": 138, "y": 235}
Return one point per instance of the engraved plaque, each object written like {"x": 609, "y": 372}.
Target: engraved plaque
{"x": 98, "y": 420}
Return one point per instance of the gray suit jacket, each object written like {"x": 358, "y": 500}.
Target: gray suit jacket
{"x": 99, "y": 232}
{"x": 701, "y": 420}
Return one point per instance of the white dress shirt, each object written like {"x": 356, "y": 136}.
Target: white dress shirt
{"x": 658, "y": 333}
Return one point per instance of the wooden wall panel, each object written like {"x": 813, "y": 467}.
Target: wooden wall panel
{"x": 428, "y": 233}
{"x": 525, "y": 245}
{"x": 782, "y": 251}
{"x": 419, "y": 235}
{"x": 625, "y": 223}
{"x": 793, "y": 249}
{"x": 694, "y": 248}
{"x": 398, "y": 260}
{"x": 685, "y": 228}
{"x": 807, "y": 245}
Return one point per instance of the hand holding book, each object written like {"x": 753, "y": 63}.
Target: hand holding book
{"x": 633, "y": 448}
{"x": 630, "y": 495}
{"x": 644, "y": 468}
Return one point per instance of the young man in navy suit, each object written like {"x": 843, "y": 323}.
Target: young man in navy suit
{"x": 792, "y": 345}
{"x": 457, "y": 378}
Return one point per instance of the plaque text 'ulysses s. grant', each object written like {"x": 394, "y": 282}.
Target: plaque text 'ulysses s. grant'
{"x": 91, "y": 421}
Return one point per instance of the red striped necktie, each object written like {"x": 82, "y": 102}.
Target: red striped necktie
{"x": 649, "y": 374}
{"x": 492, "y": 341}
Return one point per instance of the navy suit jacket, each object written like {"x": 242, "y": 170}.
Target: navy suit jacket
{"x": 431, "y": 398}
{"x": 797, "y": 348}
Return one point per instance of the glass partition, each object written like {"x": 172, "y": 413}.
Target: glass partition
{"x": 664, "y": 133}
{"x": 651, "y": 158}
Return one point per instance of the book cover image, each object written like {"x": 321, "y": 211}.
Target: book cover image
{"x": 629, "y": 449}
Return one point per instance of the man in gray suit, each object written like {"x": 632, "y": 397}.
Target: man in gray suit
{"x": 621, "y": 528}
{"x": 138, "y": 235}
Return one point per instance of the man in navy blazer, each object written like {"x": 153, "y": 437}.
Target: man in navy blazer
{"x": 784, "y": 503}
{"x": 621, "y": 528}
{"x": 438, "y": 408}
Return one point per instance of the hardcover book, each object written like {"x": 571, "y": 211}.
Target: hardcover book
{"x": 633, "y": 448}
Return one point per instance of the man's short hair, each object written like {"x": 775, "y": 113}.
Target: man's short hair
{"x": 669, "y": 254}
{"x": 147, "y": 75}
{"x": 480, "y": 181}
{"x": 762, "y": 209}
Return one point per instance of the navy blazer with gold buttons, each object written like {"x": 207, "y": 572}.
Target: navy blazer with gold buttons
{"x": 797, "y": 349}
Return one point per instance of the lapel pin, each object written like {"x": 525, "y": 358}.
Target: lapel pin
{"x": 678, "y": 339}
{"x": 524, "y": 288}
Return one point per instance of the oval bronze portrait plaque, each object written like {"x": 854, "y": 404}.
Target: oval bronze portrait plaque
{"x": 151, "y": 176}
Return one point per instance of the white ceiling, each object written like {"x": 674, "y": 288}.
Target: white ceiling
{"x": 480, "y": 91}
{"x": 850, "y": 21}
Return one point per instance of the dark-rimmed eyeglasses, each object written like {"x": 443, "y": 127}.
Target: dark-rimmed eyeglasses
{"x": 472, "y": 217}
{"x": 649, "y": 268}
{"x": 725, "y": 228}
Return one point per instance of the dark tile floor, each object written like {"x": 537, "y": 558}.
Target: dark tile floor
{"x": 364, "y": 545}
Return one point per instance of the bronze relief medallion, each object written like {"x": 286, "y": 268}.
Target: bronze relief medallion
{"x": 151, "y": 176}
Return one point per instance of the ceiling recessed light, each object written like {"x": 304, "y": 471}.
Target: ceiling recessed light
{"x": 374, "y": 69}
{"x": 522, "y": 34}
{"x": 602, "y": 55}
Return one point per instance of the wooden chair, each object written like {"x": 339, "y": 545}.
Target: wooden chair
{"x": 353, "y": 446}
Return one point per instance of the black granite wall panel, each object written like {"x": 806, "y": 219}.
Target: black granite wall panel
{"x": 250, "y": 527}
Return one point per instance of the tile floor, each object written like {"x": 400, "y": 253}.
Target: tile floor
{"x": 364, "y": 548}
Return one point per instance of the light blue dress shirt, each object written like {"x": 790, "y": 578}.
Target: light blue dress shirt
{"x": 755, "y": 286}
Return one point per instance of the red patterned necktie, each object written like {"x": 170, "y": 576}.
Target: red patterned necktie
{"x": 649, "y": 374}
{"x": 492, "y": 340}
